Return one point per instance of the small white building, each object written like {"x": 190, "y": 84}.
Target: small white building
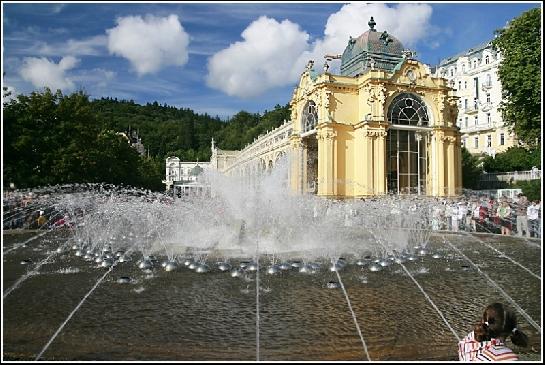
{"x": 184, "y": 177}
{"x": 474, "y": 76}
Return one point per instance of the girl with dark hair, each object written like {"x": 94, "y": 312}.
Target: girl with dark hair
{"x": 487, "y": 340}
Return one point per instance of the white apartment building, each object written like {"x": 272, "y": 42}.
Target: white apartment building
{"x": 184, "y": 176}
{"x": 474, "y": 76}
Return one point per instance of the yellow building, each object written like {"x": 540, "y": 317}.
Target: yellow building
{"x": 384, "y": 125}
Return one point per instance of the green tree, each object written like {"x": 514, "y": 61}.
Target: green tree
{"x": 471, "y": 171}
{"x": 514, "y": 159}
{"x": 520, "y": 75}
{"x": 531, "y": 188}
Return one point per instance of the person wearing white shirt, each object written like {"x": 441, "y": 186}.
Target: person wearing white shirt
{"x": 532, "y": 213}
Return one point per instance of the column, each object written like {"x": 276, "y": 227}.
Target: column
{"x": 296, "y": 163}
{"x": 360, "y": 162}
{"x": 458, "y": 154}
{"x": 440, "y": 165}
{"x": 451, "y": 177}
{"x": 326, "y": 164}
{"x": 379, "y": 158}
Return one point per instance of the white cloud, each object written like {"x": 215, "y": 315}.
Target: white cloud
{"x": 409, "y": 23}
{"x": 42, "y": 72}
{"x": 92, "y": 46}
{"x": 95, "y": 78}
{"x": 149, "y": 43}
{"x": 57, "y": 8}
{"x": 264, "y": 60}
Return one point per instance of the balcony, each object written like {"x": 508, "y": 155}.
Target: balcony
{"x": 486, "y": 107}
{"x": 471, "y": 109}
{"x": 486, "y": 86}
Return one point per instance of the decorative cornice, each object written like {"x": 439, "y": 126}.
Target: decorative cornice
{"x": 327, "y": 134}
{"x": 376, "y": 133}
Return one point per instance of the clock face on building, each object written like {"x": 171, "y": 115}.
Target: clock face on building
{"x": 411, "y": 75}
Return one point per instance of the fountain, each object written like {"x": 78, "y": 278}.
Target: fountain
{"x": 187, "y": 269}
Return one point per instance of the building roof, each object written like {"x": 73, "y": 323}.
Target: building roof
{"x": 371, "y": 49}
{"x": 466, "y": 53}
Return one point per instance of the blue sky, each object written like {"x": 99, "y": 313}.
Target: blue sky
{"x": 218, "y": 58}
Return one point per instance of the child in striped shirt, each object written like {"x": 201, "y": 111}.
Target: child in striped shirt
{"x": 487, "y": 341}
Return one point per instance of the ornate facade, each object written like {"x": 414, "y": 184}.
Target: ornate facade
{"x": 183, "y": 177}
{"x": 474, "y": 76}
{"x": 384, "y": 125}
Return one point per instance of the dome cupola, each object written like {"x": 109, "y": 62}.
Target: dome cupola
{"x": 371, "y": 50}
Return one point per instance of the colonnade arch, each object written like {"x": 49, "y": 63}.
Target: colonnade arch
{"x": 407, "y": 155}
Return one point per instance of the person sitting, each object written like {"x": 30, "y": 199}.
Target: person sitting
{"x": 487, "y": 340}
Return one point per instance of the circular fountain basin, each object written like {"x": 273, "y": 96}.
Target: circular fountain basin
{"x": 284, "y": 266}
{"x": 124, "y": 258}
{"x": 385, "y": 263}
{"x": 124, "y": 280}
{"x": 145, "y": 265}
{"x": 296, "y": 264}
{"x": 170, "y": 266}
{"x": 401, "y": 259}
{"x": 202, "y": 268}
{"x": 107, "y": 262}
{"x": 252, "y": 266}
{"x": 422, "y": 252}
{"x": 223, "y": 266}
{"x": 236, "y": 273}
{"x": 307, "y": 269}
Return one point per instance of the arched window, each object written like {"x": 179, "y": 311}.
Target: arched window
{"x": 408, "y": 109}
{"x": 487, "y": 59}
{"x": 310, "y": 117}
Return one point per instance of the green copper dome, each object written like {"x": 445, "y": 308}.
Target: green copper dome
{"x": 372, "y": 49}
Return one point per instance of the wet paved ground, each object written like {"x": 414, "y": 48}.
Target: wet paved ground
{"x": 183, "y": 315}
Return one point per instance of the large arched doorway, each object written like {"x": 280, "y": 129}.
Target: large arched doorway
{"x": 406, "y": 152}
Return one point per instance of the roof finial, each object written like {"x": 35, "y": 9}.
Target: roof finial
{"x": 372, "y": 25}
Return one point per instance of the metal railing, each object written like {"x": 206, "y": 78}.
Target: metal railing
{"x": 512, "y": 176}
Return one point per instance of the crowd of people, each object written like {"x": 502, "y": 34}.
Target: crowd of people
{"x": 505, "y": 215}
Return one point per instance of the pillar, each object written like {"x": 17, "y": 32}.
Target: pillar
{"x": 326, "y": 164}
{"x": 440, "y": 165}
{"x": 380, "y": 163}
{"x": 296, "y": 164}
{"x": 451, "y": 171}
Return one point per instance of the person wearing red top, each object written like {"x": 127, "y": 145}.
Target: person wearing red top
{"x": 487, "y": 340}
